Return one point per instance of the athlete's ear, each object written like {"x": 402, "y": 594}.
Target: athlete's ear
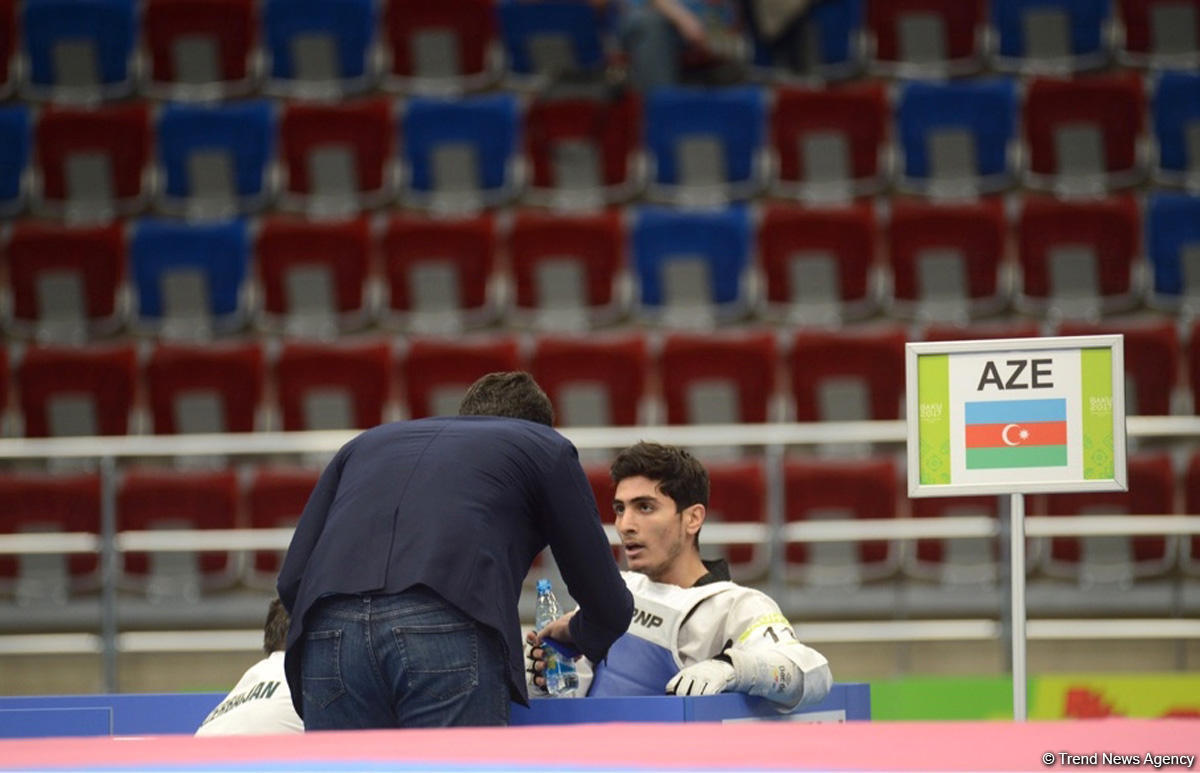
{"x": 693, "y": 518}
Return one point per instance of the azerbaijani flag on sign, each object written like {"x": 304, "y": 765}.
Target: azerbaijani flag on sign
{"x": 1016, "y": 433}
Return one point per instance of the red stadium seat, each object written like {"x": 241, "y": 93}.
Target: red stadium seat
{"x": 1082, "y": 135}
{"x": 1193, "y": 364}
{"x": 1189, "y": 557}
{"x": 1152, "y": 367}
{"x": 825, "y": 490}
{"x": 737, "y": 493}
{"x": 439, "y": 47}
{"x": 955, "y": 561}
{"x": 581, "y": 151}
{"x": 65, "y": 281}
{"x": 1160, "y": 33}
{"x": 828, "y": 141}
{"x": 847, "y": 376}
{"x": 8, "y": 39}
{"x": 313, "y": 275}
{"x": 438, "y": 272}
{"x": 337, "y": 156}
{"x": 93, "y": 163}
{"x": 922, "y": 38}
{"x": 566, "y": 268}
{"x": 77, "y": 391}
{"x": 200, "y": 48}
{"x": 274, "y": 500}
{"x": 1077, "y": 258}
{"x": 946, "y": 259}
{"x": 337, "y": 385}
{"x": 602, "y": 488}
{"x": 157, "y": 499}
{"x": 209, "y": 388}
{"x": 592, "y": 381}
{"x": 819, "y": 264}
{"x": 718, "y": 378}
{"x": 437, "y": 372}
{"x": 49, "y": 503}
{"x": 1114, "y": 560}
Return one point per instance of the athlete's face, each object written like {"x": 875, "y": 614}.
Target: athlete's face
{"x": 654, "y": 533}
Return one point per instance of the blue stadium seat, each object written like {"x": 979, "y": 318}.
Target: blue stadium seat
{"x": 78, "y": 50}
{"x": 14, "y": 157}
{"x": 1051, "y": 35}
{"x": 188, "y": 277}
{"x": 954, "y": 137}
{"x": 690, "y": 265}
{"x": 319, "y": 48}
{"x": 1176, "y": 118}
{"x": 1173, "y": 248}
{"x": 706, "y": 145}
{"x": 544, "y": 39}
{"x": 828, "y": 44}
{"x": 460, "y": 152}
{"x": 216, "y": 158}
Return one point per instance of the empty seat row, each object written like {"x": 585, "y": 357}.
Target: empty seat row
{"x": 625, "y": 379}
{"x": 951, "y": 139}
{"x": 323, "y": 48}
{"x": 679, "y": 267}
{"x": 814, "y": 490}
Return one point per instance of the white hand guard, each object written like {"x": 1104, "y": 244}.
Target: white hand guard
{"x": 708, "y": 677}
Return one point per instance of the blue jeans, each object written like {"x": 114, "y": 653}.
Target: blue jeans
{"x": 408, "y": 659}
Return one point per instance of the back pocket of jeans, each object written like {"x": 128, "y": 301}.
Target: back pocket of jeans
{"x": 440, "y": 661}
{"x": 321, "y": 670}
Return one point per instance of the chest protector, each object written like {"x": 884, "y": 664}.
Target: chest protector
{"x": 646, "y": 656}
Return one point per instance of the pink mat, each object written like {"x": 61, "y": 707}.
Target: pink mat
{"x": 884, "y": 746}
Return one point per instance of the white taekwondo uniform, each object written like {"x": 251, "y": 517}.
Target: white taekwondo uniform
{"x": 259, "y": 704}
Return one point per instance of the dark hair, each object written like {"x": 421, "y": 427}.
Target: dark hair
{"x": 513, "y": 394}
{"x": 679, "y": 474}
{"x": 276, "y": 628}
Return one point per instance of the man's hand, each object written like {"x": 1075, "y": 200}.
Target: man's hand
{"x": 708, "y": 677}
{"x": 537, "y": 660}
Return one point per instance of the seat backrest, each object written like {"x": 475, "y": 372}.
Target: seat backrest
{"x": 199, "y": 47}
{"x": 188, "y": 277}
{"x": 582, "y": 145}
{"x": 1152, "y": 362}
{"x": 1173, "y": 246}
{"x": 210, "y": 388}
{"x": 1175, "y": 115}
{"x": 1050, "y": 35}
{"x": 824, "y": 490}
{"x": 49, "y": 503}
{"x": 274, "y": 500}
{"x": 690, "y": 264}
{"x": 319, "y": 47}
{"x": 153, "y": 499}
{"x": 918, "y": 38}
{"x": 955, "y": 561}
{"x": 551, "y": 37}
{"x": 343, "y": 385}
{"x": 718, "y": 379}
{"x": 825, "y": 368}
{"x": 829, "y": 43}
{"x": 313, "y": 274}
{"x": 78, "y": 51}
{"x": 1160, "y": 33}
{"x": 441, "y": 42}
{"x": 14, "y": 157}
{"x": 336, "y": 155}
{"x": 436, "y": 372}
{"x": 819, "y": 263}
{"x": 738, "y": 494}
{"x": 92, "y": 161}
{"x": 946, "y": 259}
{"x": 8, "y": 40}
{"x": 437, "y": 270}
{"x": 593, "y": 381}
{"x": 217, "y": 158}
{"x": 1077, "y": 257}
{"x": 77, "y": 391}
{"x": 65, "y": 281}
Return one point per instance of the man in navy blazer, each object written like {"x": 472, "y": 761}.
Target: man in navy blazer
{"x": 405, "y": 569}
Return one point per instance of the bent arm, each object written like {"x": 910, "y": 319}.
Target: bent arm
{"x": 769, "y": 661}
{"x": 308, "y": 531}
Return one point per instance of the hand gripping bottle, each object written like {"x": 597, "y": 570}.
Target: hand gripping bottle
{"x": 561, "y": 679}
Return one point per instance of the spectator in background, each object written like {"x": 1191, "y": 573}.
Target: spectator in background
{"x": 405, "y": 569}
{"x": 779, "y": 27}
{"x": 260, "y": 703}
{"x": 660, "y": 37}
{"x": 694, "y": 631}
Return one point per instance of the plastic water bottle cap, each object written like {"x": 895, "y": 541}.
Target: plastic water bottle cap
{"x": 543, "y": 585}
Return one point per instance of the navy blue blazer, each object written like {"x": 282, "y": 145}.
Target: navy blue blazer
{"x": 461, "y": 505}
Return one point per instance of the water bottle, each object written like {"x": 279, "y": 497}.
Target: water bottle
{"x": 561, "y": 679}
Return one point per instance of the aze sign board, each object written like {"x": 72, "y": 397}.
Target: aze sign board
{"x": 1012, "y": 416}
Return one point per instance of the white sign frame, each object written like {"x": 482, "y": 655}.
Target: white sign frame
{"x": 913, "y": 350}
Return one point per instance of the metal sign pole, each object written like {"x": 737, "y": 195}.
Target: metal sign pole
{"x": 1016, "y": 534}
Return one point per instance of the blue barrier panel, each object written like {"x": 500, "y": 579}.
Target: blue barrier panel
{"x": 160, "y": 714}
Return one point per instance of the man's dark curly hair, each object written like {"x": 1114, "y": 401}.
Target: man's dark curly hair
{"x": 679, "y": 474}
{"x": 276, "y": 628}
{"x": 513, "y": 394}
